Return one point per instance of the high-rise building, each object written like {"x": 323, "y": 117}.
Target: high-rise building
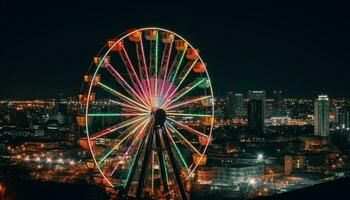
{"x": 230, "y": 106}
{"x": 278, "y": 105}
{"x": 255, "y": 117}
{"x": 258, "y": 95}
{"x": 321, "y": 115}
{"x": 240, "y": 109}
{"x": 342, "y": 117}
{"x": 239, "y": 100}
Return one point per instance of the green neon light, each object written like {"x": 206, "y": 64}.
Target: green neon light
{"x": 187, "y": 102}
{"x": 176, "y": 71}
{"x": 166, "y": 169}
{"x": 120, "y": 95}
{"x": 189, "y": 115}
{"x": 152, "y": 181}
{"x": 187, "y": 91}
{"x": 181, "y": 157}
{"x": 178, "y": 65}
{"x": 132, "y": 165}
{"x": 182, "y": 137}
{"x": 177, "y": 150}
{"x": 156, "y": 70}
{"x": 188, "y": 71}
{"x": 117, "y": 145}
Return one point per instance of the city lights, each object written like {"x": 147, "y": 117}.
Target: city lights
{"x": 260, "y": 157}
{"x": 143, "y": 121}
{"x": 252, "y": 181}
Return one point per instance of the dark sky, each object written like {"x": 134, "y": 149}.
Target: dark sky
{"x": 300, "y": 48}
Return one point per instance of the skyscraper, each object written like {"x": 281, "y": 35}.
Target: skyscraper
{"x": 278, "y": 105}
{"x": 230, "y": 106}
{"x": 321, "y": 114}
{"x": 255, "y": 117}
{"x": 342, "y": 117}
{"x": 240, "y": 109}
{"x": 258, "y": 95}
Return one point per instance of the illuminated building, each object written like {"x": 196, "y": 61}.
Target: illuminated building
{"x": 292, "y": 163}
{"x": 230, "y": 106}
{"x": 240, "y": 109}
{"x": 342, "y": 117}
{"x": 321, "y": 113}
{"x": 255, "y": 117}
{"x": 258, "y": 95}
{"x": 229, "y": 175}
{"x": 309, "y": 161}
{"x": 278, "y": 105}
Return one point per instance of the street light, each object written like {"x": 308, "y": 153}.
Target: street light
{"x": 252, "y": 181}
{"x": 260, "y": 157}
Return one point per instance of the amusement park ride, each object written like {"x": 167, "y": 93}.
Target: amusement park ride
{"x": 150, "y": 142}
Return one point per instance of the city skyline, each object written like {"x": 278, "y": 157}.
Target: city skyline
{"x": 256, "y": 39}
{"x": 172, "y": 100}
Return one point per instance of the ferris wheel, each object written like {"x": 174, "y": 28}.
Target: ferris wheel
{"x": 149, "y": 113}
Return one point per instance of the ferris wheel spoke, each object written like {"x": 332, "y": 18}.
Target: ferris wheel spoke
{"x": 165, "y": 65}
{"x": 135, "y": 140}
{"x": 131, "y": 71}
{"x": 173, "y": 72}
{"x": 176, "y": 148}
{"x": 124, "y": 84}
{"x": 183, "y": 138}
{"x": 121, "y": 96}
{"x": 156, "y": 70}
{"x": 116, "y": 114}
{"x": 116, "y": 127}
{"x": 189, "y": 129}
{"x": 187, "y": 114}
{"x": 122, "y": 140}
{"x": 182, "y": 92}
{"x": 182, "y": 77}
{"x": 143, "y": 69}
{"x": 186, "y": 102}
{"x": 131, "y": 107}
{"x": 133, "y": 166}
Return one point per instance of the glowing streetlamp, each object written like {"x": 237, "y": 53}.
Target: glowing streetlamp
{"x": 260, "y": 157}
{"x": 252, "y": 181}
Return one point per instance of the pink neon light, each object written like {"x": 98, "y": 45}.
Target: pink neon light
{"x": 133, "y": 69}
{"x": 166, "y": 70}
{"x": 114, "y": 72}
{"x": 127, "y": 151}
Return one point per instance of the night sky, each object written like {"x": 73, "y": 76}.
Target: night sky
{"x": 300, "y": 48}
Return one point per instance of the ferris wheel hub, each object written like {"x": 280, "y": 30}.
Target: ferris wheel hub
{"x": 159, "y": 117}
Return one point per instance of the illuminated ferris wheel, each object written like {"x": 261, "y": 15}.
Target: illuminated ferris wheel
{"x": 149, "y": 113}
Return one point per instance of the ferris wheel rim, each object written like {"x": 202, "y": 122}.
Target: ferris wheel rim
{"x": 91, "y": 86}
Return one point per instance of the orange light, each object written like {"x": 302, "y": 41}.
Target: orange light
{"x": 118, "y": 47}
{"x": 180, "y": 45}
{"x": 191, "y": 54}
{"x": 199, "y": 67}
{"x": 134, "y": 37}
